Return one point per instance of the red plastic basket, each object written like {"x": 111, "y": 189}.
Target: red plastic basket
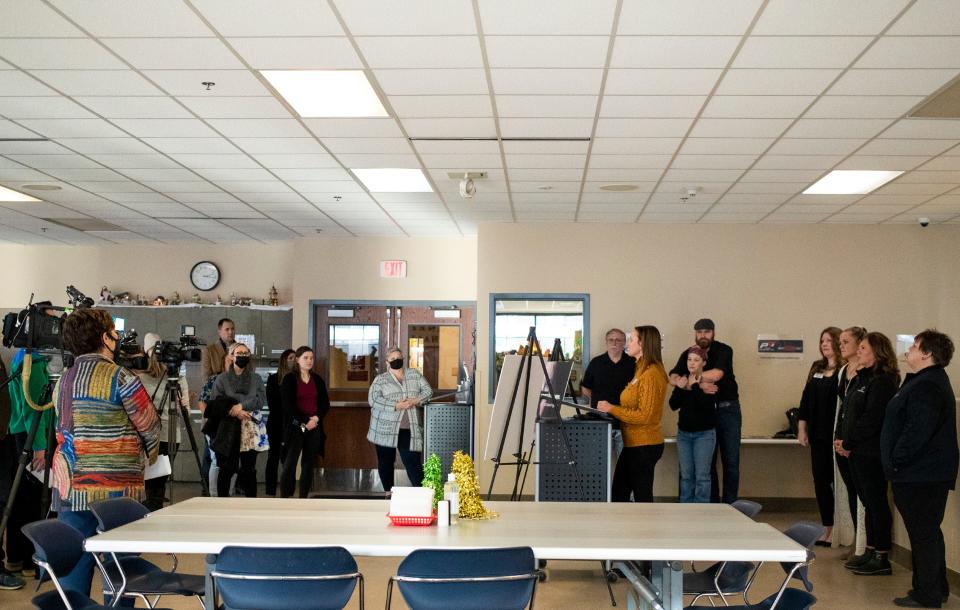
{"x": 398, "y": 520}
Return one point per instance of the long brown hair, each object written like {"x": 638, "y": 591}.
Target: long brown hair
{"x": 650, "y": 343}
{"x": 823, "y": 364}
{"x": 884, "y": 353}
{"x": 282, "y": 368}
{"x": 303, "y": 349}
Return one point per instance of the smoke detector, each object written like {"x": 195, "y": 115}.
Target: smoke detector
{"x": 689, "y": 193}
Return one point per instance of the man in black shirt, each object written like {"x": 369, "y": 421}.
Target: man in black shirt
{"x": 718, "y": 379}
{"x": 606, "y": 376}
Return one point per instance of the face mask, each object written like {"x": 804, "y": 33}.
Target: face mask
{"x": 115, "y": 351}
{"x": 396, "y": 364}
{"x": 242, "y": 361}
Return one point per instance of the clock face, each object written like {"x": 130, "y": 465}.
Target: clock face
{"x": 205, "y": 275}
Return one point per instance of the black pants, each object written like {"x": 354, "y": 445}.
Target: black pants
{"x": 412, "y": 461}
{"x": 634, "y": 473}
{"x": 300, "y": 443}
{"x": 246, "y": 476}
{"x": 871, "y": 486}
{"x": 922, "y": 506}
{"x": 154, "y": 490}
{"x": 26, "y": 506}
{"x": 846, "y": 473}
{"x": 275, "y": 457}
{"x": 821, "y": 459}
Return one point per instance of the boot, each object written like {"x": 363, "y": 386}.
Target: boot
{"x": 879, "y": 565}
{"x": 858, "y": 560}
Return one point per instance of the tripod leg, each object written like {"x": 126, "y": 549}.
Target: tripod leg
{"x": 185, "y": 419}
{"x": 25, "y": 456}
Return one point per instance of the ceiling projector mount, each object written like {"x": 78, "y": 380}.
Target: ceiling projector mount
{"x": 467, "y": 186}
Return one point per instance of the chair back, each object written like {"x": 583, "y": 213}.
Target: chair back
{"x": 57, "y": 545}
{"x": 475, "y": 579}
{"x": 311, "y": 578}
{"x": 748, "y": 507}
{"x": 115, "y": 512}
{"x": 806, "y": 534}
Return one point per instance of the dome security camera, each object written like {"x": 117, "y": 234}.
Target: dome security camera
{"x": 467, "y": 188}
{"x": 924, "y": 221}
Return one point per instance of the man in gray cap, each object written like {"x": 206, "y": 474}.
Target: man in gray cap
{"x": 718, "y": 379}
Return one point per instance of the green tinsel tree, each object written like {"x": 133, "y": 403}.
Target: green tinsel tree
{"x": 432, "y": 477}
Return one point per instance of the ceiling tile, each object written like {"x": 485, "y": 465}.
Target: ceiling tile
{"x": 446, "y": 127}
{"x": 635, "y": 146}
{"x": 58, "y": 53}
{"x": 929, "y": 17}
{"x": 569, "y": 177}
{"x": 816, "y": 146}
{"x": 42, "y": 108}
{"x": 712, "y": 161}
{"x": 702, "y": 175}
{"x": 546, "y": 51}
{"x": 96, "y": 82}
{"x": 886, "y": 162}
{"x": 355, "y": 161}
{"x": 560, "y": 106}
{"x": 757, "y": 106}
{"x": 798, "y": 161}
{"x": 637, "y": 161}
{"x": 174, "y": 53}
{"x": 546, "y": 161}
{"x": 791, "y": 188}
{"x": 782, "y": 175}
{"x": 546, "y": 81}
{"x": 837, "y": 128}
{"x": 261, "y": 18}
{"x": 165, "y": 128}
{"x": 22, "y": 84}
{"x": 541, "y": 17}
{"x": 942, "y": 164}
{"x": 435, "y": 106}
{"x": 643, "y": 128}
{"x": 259, "y": 128}
{"x": 728, "y": 146}
{"x": 738, "y": 128}
{"x": 133, "y": 17}
{"x": 328, "y": 174}
{"x": 623, "y": 81}
{"x": 226, "y": 82}
{"x": 354, "y": 128}
{"x": 419, "y": 17}
{"x": 235, "y": 107}
{"x": 11, "y": 131}
{"x": 192, "y": 145}
{"x": 744, "y": 199}
{"x": 291, "y": 53}
{"x": 673, "y": 51}
{"x": 924, "y": 128}
{"x": 73, "y": 128}
{"x": 455, "y": 147}
{"x": 367, "y": 145}
{"x": 630, "y": 175}
{"x": 279, "y": 159}
{"x": 913, "y": 52}
{"x": 907, "y": 188}
{"x": 543, "y": 128}
{"x": 549, "y": 146}
{"x": 906, "y": 147}
{"x": 862, "y": 106}
{"x": 650, "y": 106}
{"x": 421, "y": 52}
{"x": 432, "y": 82}
{"x": 120, "y": 107}
{"x": 799, "y": 51}
{"x": 891, "y": 82}
{"x": 826, "y": 17}
{"x": 33, "y": 20}
{"x": 687, "y": 17}
{"x": 776, "y": 82}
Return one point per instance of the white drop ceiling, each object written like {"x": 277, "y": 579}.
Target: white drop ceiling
{"x": 750, "y": 101}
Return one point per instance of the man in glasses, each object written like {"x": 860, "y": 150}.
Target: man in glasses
{"x": 606, "y": 376}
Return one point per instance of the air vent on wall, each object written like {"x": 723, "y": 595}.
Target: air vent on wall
{"x": 944, "y": 104}
{"x": 85, "y": 224}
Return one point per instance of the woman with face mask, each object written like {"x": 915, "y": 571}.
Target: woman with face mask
{"x": 276, "y": 421}
{"x": 305, "y": 404}
{"x": 395, "y": 420}
{"x": 236, "y": 400}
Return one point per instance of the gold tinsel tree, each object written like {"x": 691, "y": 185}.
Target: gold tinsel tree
{"x": 470, "y": 505}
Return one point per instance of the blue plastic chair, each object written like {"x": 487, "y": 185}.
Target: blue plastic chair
{"x": 725, "y": 578}
{"x": 748, "y": 507}
{"x": 309, "y": 578}
{"x": 476, "y": 579}
{"x": 57, "y": 549}
{"x": 129, "y": 574}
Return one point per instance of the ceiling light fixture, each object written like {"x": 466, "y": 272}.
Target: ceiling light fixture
{"x": 11, "y": 195}
{"x": 393, "y": 180}
{"x": 851, "y": 182}
{"x": 327, "y": 93}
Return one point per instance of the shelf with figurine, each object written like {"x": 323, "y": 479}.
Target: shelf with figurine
{"x": 127, "y": 299}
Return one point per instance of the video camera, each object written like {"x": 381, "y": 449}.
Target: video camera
{"x": 187, "y": 350}
{"x": 35, "y": 328}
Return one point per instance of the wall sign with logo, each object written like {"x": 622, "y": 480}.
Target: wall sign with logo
{"x": 393, "y": 269}
{"x": 779, "y": 346}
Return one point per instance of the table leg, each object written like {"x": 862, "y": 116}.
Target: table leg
{"x": 210, "y": 562}
{"x": 646, "y": 595}
{"x": 668, "y": 583}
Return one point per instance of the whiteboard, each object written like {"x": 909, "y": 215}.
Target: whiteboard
{"x": 520, "y": 433}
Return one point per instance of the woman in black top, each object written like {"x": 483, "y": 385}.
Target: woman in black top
{"x": 818, "y": 407}
{"x": 697, "y": 434}
{"x": 305, "y": 404}
{"x": 865, "y": 408}
{"x": 275, "y": 422}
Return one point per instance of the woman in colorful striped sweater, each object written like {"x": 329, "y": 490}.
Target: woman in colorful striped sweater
{"x": 107, "y": 430}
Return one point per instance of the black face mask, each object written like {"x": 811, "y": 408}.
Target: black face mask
{"x": 396, "y": 364}
{"x": 242, "y": 361}
{"x": 115, "y": 352}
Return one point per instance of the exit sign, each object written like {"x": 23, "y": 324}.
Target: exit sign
{"x": 393, "y": 268}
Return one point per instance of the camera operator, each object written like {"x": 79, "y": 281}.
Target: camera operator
{"x": 8, "y": 467}
{"x": 106, "y": 427}
{"x": 214, "y": 352}
{"x": 154, "y": 379}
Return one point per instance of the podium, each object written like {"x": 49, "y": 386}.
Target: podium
{"x": 591, "y": 446}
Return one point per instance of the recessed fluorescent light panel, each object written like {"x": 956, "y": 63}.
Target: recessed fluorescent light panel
{"x": 850, "y": 182}
{"x": 10, "y": 195}
{"x": 393, "y": 180}
{"x": 327, "y": 93}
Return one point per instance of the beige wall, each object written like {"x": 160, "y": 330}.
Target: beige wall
{"x": 785, "y": 279}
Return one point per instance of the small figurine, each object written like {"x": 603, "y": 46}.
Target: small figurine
{"x": 175, "y": 299}
{"x": 233, "y": 298}
{"x": 196, "y": 298}
{"x": 159, "y": 301}
{"x": 274, "y": 296}
{"x": 105, "y": 295}
{"x": 219, "y": 301}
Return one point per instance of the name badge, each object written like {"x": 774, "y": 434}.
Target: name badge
{"x": 818, "y": 375}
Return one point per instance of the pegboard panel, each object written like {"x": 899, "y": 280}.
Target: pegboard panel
{"x": 448, "y": 428}
{"x": 590, "y": 445}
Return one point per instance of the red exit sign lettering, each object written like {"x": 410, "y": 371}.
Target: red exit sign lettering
{"x": 394, "y": 269}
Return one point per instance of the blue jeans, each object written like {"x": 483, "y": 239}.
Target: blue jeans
{"x": 79, "y": 579}
{"x": 695, "y": 454}
{"x": 728, "y": 446}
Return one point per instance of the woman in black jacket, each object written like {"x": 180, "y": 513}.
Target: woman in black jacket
{"x": 276, "y": 420}
{"x": 305, "y": 404}
{"x": 865, "y": 408}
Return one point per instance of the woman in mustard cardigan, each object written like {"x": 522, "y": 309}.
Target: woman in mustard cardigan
{"x": 640, "y": 410}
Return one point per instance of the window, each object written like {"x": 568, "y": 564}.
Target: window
{"x": 353, "y": 355}
{"x": 556, "y": 317}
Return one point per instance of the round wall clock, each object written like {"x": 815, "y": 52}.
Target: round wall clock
{"x": 205, "y": 275}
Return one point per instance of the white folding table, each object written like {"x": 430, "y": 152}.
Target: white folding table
{"x": 664, "y": 534}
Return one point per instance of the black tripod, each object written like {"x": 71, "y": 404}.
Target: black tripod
{"x": 53, "y": 372}
{"x": 549, "y": 415}
{"x": 173, "y": 398}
